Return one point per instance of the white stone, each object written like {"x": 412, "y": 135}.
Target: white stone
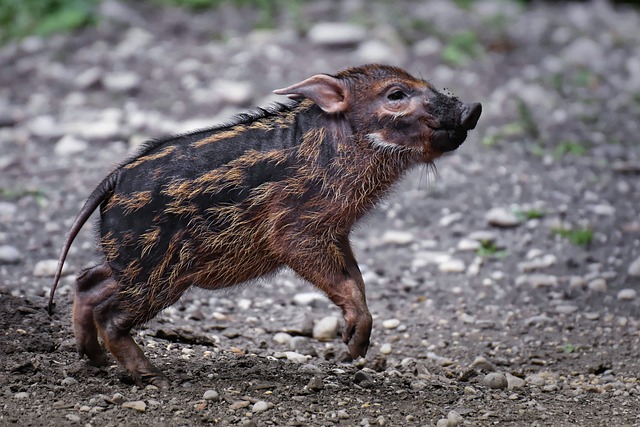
{"x": 495, "y": 380}
{"x": 137, "y": 405}
{"x": 385, "y": 349}
{"x": 73, "y": 418}
{"x": 424, "y": 258}
{"x": 513, "y": 381}
{"x": 539, "y": 280}
{"x": 391, "y": 323}
{"x": 295, "y": 357}
{"x": 104, "y": 125}
{"x": 260, "y": 406}
{"x": 603, "y": 209}
{"x": 9, "y": 255}
{"x": 211, "y": 395}
{"x": 501, "y": 217}
{"x": 396, "y": 237}
{"x": 543, "y": 262}
{"x": 447, "y": 220}
{"x": 326, "y": 329}
{"x": 483, "y": 236}
{"x": 566, "y": 308}
{"x": 88, "y": 78}
{"x": 69, "y": 145}
{"x": 452, "y": 266}
{"x": 336, "y": 34}
{"x": 234, "y": 92}
{"x": 598, "y": 285}
{"x": 583, "y": 51}
{"x": 468, "y": 245}
{"x": 47, "y": 268}
{"x": 627, "y": 294}
{"x": 634, "y": 268}
{"x": 45, "y": 127}
{"x": 427, "y": 47}
{"x": 121, "y": 81}
{"x": 308, "y": 298}
{"x": 68, "y": 381}
{"x": 282, "y": 338}
{"x": 376, "y": 51}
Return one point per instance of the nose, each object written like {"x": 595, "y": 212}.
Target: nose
{"x": 470, "y": 115}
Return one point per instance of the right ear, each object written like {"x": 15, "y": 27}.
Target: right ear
{"x": 328, "y": 92}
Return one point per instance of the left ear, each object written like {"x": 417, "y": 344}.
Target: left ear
{"x": 328, "y": 92}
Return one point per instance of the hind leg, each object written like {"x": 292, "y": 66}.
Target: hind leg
{"x": 116, "y": 316}
{"x": 93, "y": 286}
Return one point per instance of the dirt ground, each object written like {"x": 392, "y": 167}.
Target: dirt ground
{"x": 503, "y": 286}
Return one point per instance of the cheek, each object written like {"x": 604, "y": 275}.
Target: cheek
{"x": 398, "y": 139}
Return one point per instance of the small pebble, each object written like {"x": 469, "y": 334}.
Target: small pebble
{"x": 385, "y": 348}
{"x": 282, "y": 338}
{"x": 634, "y": 268}
{"x": 260, "y": 406}
{"x": 598, "y": 285}
{"x": 315, "y": 383}
{"x": 513, "y": 381}
{"x": 391, "y": 323}
{"x": 121, "y": 81}
{"x": 495, "y": 380}
{"x": 482, "y": 363}
{"x": 117, "y": 399}
{"x": 9, "y": 255}
{"x": 566, "y": 308}
{"x": 68, "y": 381}
{"x": 468, "y": 245}
{"x": 396, "y": 237}
{"x": 137, "y": 405}
{"x": 308, "y": 298}
{"x": 452, "y": 266}
{"x": 336, "y": 34}
{"x": 211, "y": 395}
{"x": 326, "y": 329}
{"x": 342, "y": 414}
{"x": 363, "y": 379}
{"x": 501, "y": 217}
{"x": 295, "y": 357}
{"x": 627, "y": 294}
{"x": 69, "y": 145}
{"x": 239, "y": 404}
{"x": 73, "y": 418}
{"x": 21, "y": 395}
{"x": 46, "y": 268}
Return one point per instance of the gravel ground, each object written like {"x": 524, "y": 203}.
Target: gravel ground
{"x": 504, "y": 287}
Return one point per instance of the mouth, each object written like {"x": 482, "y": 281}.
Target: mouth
{"x": 450, "y": 138}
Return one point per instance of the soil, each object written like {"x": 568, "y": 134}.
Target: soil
{"x": 476, "y": 321}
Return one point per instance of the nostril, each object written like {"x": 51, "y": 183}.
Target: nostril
{"x": 470, "y": 115}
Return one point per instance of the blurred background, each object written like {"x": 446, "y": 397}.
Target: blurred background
{"x": 523, "y": 247}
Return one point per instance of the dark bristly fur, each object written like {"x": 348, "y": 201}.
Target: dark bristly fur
{"x": 274, "y": 188}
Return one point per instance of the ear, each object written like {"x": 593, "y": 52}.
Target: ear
{"x": 329, "y": 93}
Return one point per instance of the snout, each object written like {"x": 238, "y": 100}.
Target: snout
{"x": 470, "y": 115}
{"x": 448, "y": 138}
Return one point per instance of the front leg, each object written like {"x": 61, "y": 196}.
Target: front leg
{"x": 334, "y": 270}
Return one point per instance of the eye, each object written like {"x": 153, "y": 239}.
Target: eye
{"x": 396, "y": 95}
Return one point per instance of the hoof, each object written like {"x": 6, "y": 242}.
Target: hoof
{"x": 154, "y": 379}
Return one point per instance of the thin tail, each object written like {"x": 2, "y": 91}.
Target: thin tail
{"x": 102, "y": 192}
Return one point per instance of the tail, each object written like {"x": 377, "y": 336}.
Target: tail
{"x": 102, "y": 192}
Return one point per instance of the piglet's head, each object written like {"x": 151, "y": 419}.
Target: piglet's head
{"x": 391, "y": 109}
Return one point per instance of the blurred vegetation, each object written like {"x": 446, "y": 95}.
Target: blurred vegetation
{"x": 578, "y": 236}
{"x": 20, "y": 18}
